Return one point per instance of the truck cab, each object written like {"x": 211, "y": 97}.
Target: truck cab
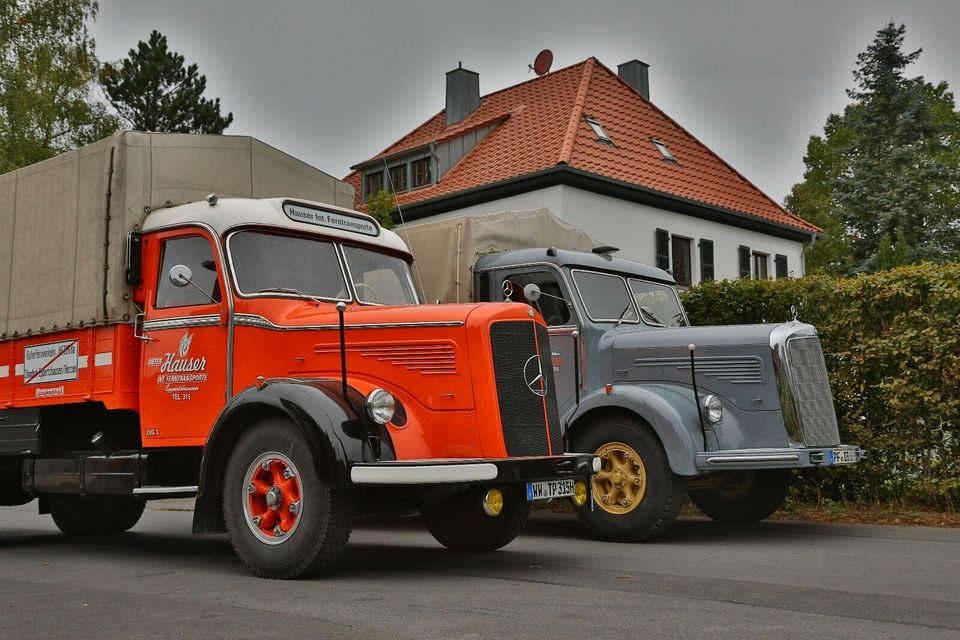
{"x": 723, "y": 413}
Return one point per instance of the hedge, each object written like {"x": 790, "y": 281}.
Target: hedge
{"x": 893, "y": 354}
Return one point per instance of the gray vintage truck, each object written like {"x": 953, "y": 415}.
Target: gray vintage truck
{"x": 721, "y": 413}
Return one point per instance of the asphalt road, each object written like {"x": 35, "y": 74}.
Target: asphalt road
{"x": 774, "y": 580}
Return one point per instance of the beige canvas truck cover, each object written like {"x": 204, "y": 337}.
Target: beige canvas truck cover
{"x": 446, "y": 250}
{"x": 64, "y": 221}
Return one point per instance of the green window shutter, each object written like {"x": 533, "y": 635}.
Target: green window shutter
{"x": 780, "y": 262}
{"x": 706, "y": 259}
{"x": 744, "y": 261}
{"x": 663, "y": 249}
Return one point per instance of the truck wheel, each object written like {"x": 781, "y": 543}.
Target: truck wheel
{"x": 744, "y": 497}
{"x": 636, "y": 496}
{"x": 95, "y": 515}
{"x": 461, "y": 524}
{"x": 283, "y": 520}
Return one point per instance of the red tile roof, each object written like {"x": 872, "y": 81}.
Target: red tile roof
{"x": 543, "y": 125}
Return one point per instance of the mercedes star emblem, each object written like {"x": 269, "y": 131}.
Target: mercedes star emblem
{"x": 533, "y": 376}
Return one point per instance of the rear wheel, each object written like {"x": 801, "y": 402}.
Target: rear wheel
{"x": 284, "y": 521}
{"x": 460, "y": 522}
{"x": 744, "y": 497}
{"x": 95, "y": 515}
{"x": 636, "y": 496}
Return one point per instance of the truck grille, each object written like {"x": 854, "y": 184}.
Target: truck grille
{"x": 811, "y": 392}
{"x": 528, "y": 412}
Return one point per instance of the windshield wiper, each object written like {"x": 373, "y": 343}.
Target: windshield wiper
{"x": 295, "y": 292}
{"x": 652, "y": 316}
{"x": 624, "y": 313}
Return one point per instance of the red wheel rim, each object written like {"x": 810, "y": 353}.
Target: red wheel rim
{"x": 272, "y": 498}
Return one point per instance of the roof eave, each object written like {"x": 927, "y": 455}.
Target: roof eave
{"x": 420, "y": 148}
{"x": 603, "y": 185}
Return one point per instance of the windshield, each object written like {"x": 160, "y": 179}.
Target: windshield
{"x": 263, "y": 262}
{"x": 379, "y": 278}
{"x": 605, "y": 297}
{"x": 658, "y": 303}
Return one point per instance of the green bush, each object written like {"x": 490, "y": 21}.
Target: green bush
{"x": 893, "y": 353}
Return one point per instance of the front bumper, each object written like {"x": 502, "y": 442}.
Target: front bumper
{"x": 474, "y": 470}
{"x": 781, "y": 458}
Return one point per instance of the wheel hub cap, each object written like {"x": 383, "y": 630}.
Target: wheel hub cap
{"x": 271, "y": 497}
{"x": 621, "y": 483}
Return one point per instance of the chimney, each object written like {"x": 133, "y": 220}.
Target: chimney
{"x": 463, "y": 94}
{"x": 634, "y": 73}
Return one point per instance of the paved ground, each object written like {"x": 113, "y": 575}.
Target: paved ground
{"x": 775, "y": 580}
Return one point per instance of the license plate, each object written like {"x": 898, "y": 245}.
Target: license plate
{"x": 549, "y": 489}
{"x": 846, "y": 456}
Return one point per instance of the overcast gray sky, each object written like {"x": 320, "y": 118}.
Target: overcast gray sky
{"x": 335, "y": 82}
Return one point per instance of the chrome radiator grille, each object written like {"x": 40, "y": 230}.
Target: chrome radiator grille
{"x": 811, "y": 392}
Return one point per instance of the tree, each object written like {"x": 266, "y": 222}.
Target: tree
{"x": 47, "y": 68}
{"x": 812, "y": 200}
{"x": 381, "y": 206}
{"x": 889, "y": 170}
{"x": 152, "y": 90}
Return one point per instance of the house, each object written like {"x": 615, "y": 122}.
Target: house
{"x": 588, "y": 144}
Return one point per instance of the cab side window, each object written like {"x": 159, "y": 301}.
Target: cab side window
{"x": 195, "y": 253}
{"x": 556, "y": 312}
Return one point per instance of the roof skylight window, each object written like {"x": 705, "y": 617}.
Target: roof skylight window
{"x": 662, "y": 148}
{"x": 598, "y": 129}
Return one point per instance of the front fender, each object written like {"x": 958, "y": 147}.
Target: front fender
{"x": 669, "y": 411}
{"x": 332, "y": 426}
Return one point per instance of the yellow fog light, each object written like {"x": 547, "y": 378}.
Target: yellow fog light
{"x": 493, "y": 502}
{"x": 580, "y": 493}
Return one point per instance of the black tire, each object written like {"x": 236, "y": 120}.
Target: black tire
{"x": 459, "y": 523}
{"x": 324, "y": 520}
{"x": 746, "y": 496}
{"x": 95, "y": 515}
{"x": 11, "y": 479}
{"x": 663, "y": 493}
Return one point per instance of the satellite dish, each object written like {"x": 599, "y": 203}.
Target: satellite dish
{"x": 542, "y": 64}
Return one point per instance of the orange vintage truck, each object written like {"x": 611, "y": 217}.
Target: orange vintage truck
{"x": 269, "y": 356}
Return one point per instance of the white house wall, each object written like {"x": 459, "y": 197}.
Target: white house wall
{"x": 632, "y": 227}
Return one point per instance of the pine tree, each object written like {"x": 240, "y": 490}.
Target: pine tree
{"x": 152, "y": 90}
{"x": 893, "y": 166}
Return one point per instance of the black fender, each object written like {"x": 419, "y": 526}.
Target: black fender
{"x": 333, "y": 426}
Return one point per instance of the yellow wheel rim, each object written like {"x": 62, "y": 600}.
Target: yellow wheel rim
{"x": 619, "y": 486}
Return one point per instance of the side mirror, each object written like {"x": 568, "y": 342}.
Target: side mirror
{"x": 532, "y": 292}
{"x": 181, "y": 275}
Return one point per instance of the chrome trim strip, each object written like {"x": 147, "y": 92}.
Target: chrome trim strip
{"x": 722, "y": 459}
{"x": 253, "y": 320}
{"x": 387, "y": 473}
{"x": 183, "y": 322}
{"x": 157, "y": 491}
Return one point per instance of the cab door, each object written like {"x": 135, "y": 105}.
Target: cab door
{"x": 184, "y": 370}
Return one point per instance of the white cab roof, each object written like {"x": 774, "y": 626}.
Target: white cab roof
{"x": 230, "y": 213}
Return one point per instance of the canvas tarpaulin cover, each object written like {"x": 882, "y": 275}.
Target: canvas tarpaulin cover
{"x": 61, "y": 233}
{"x": 446, "y": 250}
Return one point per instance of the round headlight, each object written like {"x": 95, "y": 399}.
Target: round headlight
{"x": 380, "y": 406}
{"x": 712, "y": 409}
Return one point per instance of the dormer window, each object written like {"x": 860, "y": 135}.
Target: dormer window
{"x": 373, "y": 183}
{"x": 662, "y": 148}
{"x": 420, "y": 169}
{"x": 398, "y": 178}
{"x": 599, "y": 130}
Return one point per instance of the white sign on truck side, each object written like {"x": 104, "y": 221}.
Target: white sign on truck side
{"x": 51, "y": 362}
